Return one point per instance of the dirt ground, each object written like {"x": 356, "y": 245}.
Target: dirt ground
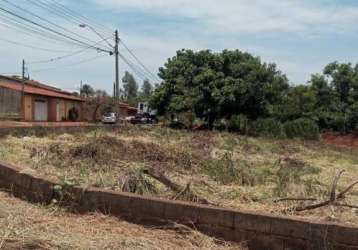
{"x": 27, "y": 226}
{"x": 350, "y": 140}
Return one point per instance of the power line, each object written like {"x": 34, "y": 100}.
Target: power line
{"x": 135, "y": 71}
{"x": 64, "y": 56}
{"x": 26, "y": 28}
{"x": 32, "y": 47}
{"x": 50, "y": 29}
{"x": 139, "y": 61}
{"x": 80, "y": 16}
{"x": 62, "y": 11}
{"x": 68, "y": 65}
{"x": 46, "y": 20}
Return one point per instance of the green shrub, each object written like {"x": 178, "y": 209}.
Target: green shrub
{"x": 227, "y": 171}
{"x": 294, "y": 173}
{"x": 302, "y": 128}
{"x": 268, "y": 127}
{"x": 221, "y": 125}
{"x": 239, "y": 123}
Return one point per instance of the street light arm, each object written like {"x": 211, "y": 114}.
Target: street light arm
{"x": 97, "y": 33}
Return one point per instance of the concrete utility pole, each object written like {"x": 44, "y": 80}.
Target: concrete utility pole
{"x": 116, "y": 54}
{"x": 114, "y": 90}
{"x": 81, "y": 86}
{"x": 23, "y": 90}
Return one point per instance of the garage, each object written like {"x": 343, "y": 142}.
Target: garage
{"x": 41, "y": 110}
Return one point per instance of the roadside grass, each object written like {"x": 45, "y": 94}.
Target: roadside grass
{"x": 227, "y": 169}
{"x": 26, "y": 226}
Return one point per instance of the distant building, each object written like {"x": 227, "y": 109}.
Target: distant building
{"x": 40, "y": 103}
{"x": 143, "y": 108}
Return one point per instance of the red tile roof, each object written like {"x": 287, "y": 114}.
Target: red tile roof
{"x": 36, "y": 88}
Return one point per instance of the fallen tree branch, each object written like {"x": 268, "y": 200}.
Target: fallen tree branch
{"x": 332, "y": 199}
{"x": 313, "y": 206}
{"x": 159, "y": 176}
{"x": 186, "y": 189}
{"x": 345, "y": 205}
{"x": 344, "y": 192}
{"x": 334, "y": 185}
{"x": 294, "y": 199}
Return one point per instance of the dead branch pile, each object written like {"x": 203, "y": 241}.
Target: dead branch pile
{"x": 182, "y": 192}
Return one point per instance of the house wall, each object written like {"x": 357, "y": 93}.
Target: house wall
{"x": 64, "y": 107}
{"x": 10, "y": 103}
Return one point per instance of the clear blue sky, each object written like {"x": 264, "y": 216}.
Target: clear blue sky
{"x": 300, "y": 36}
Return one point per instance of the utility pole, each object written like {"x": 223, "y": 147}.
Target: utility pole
{"x": 81, "y": 85}
{"x": 114, "y": 90}
{"x": 23, "y": 90}
{"x": 116, "y": 54}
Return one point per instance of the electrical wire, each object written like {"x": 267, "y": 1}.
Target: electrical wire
{"x": 131, "y": 66}
{"x": 138, "y": 60}
{"x": 68, "y": 65}
{"x": 80, "y": 16}
{"x": 63, "y": 11}
{"x": 32, "y": 47}
{"x": 13, "y": 23}
{"x": 65, "y": 56}
{"x": 49, "y": 29}
{"x": 46, "y": 20}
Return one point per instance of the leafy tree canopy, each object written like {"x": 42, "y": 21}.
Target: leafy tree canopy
{"x": 218, "y": 85}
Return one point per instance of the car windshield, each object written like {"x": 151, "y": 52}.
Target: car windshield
{"x": 109, "y": 115}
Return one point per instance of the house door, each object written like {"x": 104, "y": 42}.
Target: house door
{"x": 58, "y": 111}
{"x": 41, "y": 111}
{"x": 28, "y": 108}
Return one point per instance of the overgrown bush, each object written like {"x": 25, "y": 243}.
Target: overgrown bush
{"x": 239, "y": 123}
{"x": 227, "y": 171}
{"x": 295, "y": 176}
{"x": 302, "y": 128}
{"x": 267, "y": 127}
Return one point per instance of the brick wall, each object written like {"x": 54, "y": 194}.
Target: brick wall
{"x": 260, "y": 231}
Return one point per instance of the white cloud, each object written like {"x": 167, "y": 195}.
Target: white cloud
{"x": 247, "y": 15}
{"x": 265, "y": 28}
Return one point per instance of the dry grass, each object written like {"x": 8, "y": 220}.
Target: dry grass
{"x": 26, "y": 226}
{"x": 229, "y": 170}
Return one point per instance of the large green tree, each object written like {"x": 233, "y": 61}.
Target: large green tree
{"x": 218, "y": 85}
{"x": 337, "y": 97}
{"x": 87, "y": 90}
{"x": 146, "y": 90}
{"x": 130, "y": 88}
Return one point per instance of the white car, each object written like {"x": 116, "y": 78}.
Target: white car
{"x": 110, "y": 118}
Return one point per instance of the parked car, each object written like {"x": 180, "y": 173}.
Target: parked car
{"x": 143, "y": 119}
{"x": 109, "y": 118}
